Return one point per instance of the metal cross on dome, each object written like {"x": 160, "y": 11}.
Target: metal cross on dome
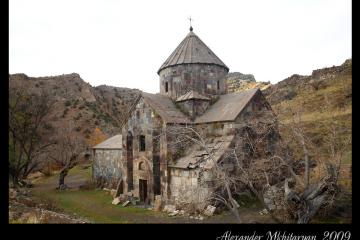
{"x": 190, "y": 19}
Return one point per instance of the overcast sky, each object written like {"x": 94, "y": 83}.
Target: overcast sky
{"x": 123, "y": 43}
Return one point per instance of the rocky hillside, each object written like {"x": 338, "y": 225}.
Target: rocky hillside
{"x": 238, "y": 82}
{"x": 325, "y": 91}
{"x": 324, "y": 101}
{"x": 78, "y": 103}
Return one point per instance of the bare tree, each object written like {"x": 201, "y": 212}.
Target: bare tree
{"x": 67, "y": 152}
{"x": 301, "y": 201}
{"x": 27, "y": 127}
{"x": 271, "y": 173}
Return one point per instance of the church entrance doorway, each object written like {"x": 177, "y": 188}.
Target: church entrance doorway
{"x": 142, "y": 190}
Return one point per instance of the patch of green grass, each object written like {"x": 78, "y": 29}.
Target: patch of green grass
{"x": 95, "y": 205}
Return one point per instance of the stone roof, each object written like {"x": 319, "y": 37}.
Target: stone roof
{"x": 192, "y": 50}
{"x": 165, "y": 108}
{"x": 191, "y": 95}
{"x": 114, "y": 142}
{"x": 228, "y": 107}
{"x": 198, "y": 157}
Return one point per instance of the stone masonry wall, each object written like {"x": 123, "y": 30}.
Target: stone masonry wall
{"x": 185, "y": 187}
{"x": 193, "y": 107}
{"x": 144, "y": 121}
{"x": 108, "y": 166}
{"x": 202, "y": 78}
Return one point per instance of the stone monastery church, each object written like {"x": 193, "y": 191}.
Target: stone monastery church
{"x": 144, "y": 158}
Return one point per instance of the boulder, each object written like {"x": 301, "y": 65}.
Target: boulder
{"x": 263, "y": 212}
{"x": 199, "y": 218}
{"x": 125, "y": 203}
{"x": 122, "y": 197}
{"x": 174, "y": 213}
{"x": 169, "y": 208}
{"x": 209, "y": 211}
{"x": 116, "y": 201}
{"x": 113, "y": 192}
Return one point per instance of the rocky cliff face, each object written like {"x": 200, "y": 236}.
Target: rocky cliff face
{"x": 320, "y": 79}
{"x": 79, "y": 103}
{"x": 238, "y": 82}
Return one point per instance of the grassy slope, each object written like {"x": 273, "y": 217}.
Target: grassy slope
{"x": 331, "y": 103}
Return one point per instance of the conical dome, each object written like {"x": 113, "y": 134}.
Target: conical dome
{"x": 192, "y": 50}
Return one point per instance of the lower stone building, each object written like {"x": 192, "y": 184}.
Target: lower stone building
{"x": 108, "y": 163}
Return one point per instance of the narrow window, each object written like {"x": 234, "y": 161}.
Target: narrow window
{"x": 166, "y": 87}
{"x": 218, "y": 85}
{"x": 142, "y": 143}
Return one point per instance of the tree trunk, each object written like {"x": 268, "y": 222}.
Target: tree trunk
{"x": 235, "y": 211}
{"x": 63, "y": 174}
{"x": 65, "y": 170}
{"x": 233, "y": 207}
{"x": 15, "y": 181}
{"x": 118, "y": 188}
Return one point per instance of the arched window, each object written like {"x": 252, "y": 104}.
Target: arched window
{"x": 141, "y": 166}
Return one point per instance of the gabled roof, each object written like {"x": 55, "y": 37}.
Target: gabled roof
{"x": 191, "y": 95}
{"x": 165, "y": 108}
{"x": 228, "y": 107}
{"x": 114, "y": 142}
{"x": 192, "y": 50}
